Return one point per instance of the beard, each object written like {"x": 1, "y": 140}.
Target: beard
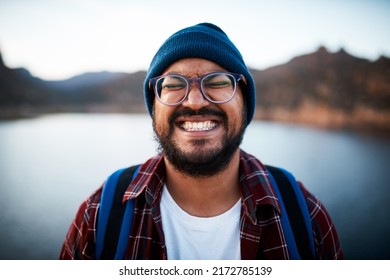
{"x": 201, "y": 162}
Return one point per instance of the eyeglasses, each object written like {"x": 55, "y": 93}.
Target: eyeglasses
{"x": 216, "y": 87}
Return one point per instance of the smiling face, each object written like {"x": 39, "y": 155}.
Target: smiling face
{"x": 198, "y": 137}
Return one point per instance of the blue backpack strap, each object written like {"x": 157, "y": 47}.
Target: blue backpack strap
{"x": 114, "y": 215}
{"x": 125, "y": 229}
{"x": 303, "y": 232}
{"x": 295, "y": 217}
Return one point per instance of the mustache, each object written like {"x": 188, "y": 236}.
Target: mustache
{"x": 188, "y": 112}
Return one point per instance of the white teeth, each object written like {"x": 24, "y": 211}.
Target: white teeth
{"x": 198, "y": 126}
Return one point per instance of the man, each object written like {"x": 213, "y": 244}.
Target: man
{"x": 202, "y": 197}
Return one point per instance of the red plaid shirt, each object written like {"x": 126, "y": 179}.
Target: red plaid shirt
{"x": 261, "y": 232}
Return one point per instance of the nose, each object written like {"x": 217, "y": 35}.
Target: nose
{"x": 195, "y": 98}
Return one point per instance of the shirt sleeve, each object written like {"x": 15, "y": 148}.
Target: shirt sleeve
{"x": 327, "y": 243}
{"x": 79, "y": 243}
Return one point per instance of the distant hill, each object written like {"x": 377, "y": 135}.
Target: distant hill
{"x": 18, "y": 86}
{"x": 331, "y": 90}
{"x": 87, "y": 80}
{"x": 22, "y": 95}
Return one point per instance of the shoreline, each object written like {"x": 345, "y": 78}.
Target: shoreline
{"x": 361, "y": 120}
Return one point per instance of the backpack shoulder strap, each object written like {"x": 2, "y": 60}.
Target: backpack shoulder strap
{"x": 297, "y": 223}
{"x": 114, "y": 215}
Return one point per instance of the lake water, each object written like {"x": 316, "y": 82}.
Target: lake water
{"x": 49, "y": 165}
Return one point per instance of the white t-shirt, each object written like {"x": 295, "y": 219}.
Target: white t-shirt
{"x": 193, "y": 238}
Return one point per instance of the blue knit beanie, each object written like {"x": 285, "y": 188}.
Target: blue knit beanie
{"x": 206, "y": 41}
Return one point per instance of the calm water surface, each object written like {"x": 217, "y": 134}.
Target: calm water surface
{"x": 49, "y": 165}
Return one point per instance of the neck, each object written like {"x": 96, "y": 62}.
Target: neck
{"x": 205, "y": 196}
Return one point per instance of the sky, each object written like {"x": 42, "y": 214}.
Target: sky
{"x": 58, "y": 39}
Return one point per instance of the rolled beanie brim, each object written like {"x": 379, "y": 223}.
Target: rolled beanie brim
{"x": 201, "y": 41}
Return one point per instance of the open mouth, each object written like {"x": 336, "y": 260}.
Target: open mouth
{"x": 198, "y": 126}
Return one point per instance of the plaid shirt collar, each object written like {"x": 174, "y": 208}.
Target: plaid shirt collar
{"x": 254, "y": 179}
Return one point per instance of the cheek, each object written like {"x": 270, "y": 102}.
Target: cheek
{"x": 161, "y": 115}
{"x": 235, "y": 109}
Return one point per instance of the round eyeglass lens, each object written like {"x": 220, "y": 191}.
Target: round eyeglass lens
{"x": 218, "y": 87}
{"x": 171, "y": 89}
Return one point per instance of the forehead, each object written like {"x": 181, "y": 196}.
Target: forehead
{"x": 193, "y": 67}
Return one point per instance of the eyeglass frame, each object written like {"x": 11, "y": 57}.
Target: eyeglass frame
{"x": 237, "y": 78}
